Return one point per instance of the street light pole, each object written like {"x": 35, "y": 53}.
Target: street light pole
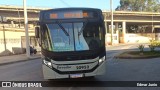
{"x": 111, "y": 9}
{"x": 26, "y": 29}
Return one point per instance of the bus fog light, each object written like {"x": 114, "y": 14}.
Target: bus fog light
{"x": 101, "y": 60}
{"x": 47, "y": 63}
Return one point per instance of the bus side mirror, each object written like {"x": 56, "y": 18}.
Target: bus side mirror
{"x": 37, "y": 35}
{"x": 37, "y": 30}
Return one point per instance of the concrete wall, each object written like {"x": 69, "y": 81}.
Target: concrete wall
{"x": 145, "y": 38}
{"x": 13, "y": 42}
{"x": 131, "y": 38}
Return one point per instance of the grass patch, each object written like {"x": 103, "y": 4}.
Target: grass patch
{"x": 139, "y": 55}
{"x": 145, "y": 53}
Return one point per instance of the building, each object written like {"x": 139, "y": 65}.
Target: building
{"x": 12, "y": 32}
{"x": 132, "y": 27}
{"x": 129, "y": 27}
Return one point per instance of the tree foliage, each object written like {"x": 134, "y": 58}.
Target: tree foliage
{"x": 139, "y": 5}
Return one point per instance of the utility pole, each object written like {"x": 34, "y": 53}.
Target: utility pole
{"x": 152, "y": 27}
{"x": 19, "y": 25}
{"x": 4, "y": 35}
{"x": 26, "y": 29}
{"x": 111, "y": 9}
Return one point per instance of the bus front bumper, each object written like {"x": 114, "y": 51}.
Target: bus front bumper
{"x": 49, "y": 73}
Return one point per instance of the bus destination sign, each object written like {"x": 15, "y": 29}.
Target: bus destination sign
{"x": 67, "y": 15}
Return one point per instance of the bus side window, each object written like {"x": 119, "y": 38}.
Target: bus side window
{"x": 45, "y": 37}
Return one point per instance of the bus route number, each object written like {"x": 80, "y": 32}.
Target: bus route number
{"x": 82, "y": 67}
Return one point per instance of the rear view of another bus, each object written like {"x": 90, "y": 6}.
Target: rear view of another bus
{"x": 72, "y": 42}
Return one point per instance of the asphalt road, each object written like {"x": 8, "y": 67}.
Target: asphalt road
{"x": 29, "y": 70}
{"x": 116, "y": 70}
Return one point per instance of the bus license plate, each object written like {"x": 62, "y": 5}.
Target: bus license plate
{"x": 76, "y": 75}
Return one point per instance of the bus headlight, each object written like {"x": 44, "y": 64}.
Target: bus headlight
{"x": 48, "y": 63}
{"x": 101, "y": 60}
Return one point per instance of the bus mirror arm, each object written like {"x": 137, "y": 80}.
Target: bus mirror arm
{"x": 80, "y": 32}
{"x": 37, "y": 35}
{"x": 40, "y": 43}
{"x": 37, "y": 32}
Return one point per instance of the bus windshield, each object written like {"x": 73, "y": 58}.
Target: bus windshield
{"x": 76, "y": 36}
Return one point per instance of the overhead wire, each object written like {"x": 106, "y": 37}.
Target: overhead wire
{"x": 65, "y": 3}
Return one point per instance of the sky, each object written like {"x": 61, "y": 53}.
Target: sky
{"x": 101, "y": 4}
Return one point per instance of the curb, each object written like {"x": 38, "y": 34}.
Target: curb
{"x": 124, "y": 44}
{"x": 23, "y": 60}
{"x": 118, "y": 56}
{"x": 147, "y": 57}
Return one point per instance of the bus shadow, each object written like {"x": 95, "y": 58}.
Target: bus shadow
{"x": 77, "y": 82}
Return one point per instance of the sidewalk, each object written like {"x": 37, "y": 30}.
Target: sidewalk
{"x": 4, "y": 60}
{"x": 122, "y": 44}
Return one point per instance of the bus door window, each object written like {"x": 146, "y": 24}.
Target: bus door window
{"x": 80, "y": 42}
{"x": 101, "y": 35}
{"x": 93, "y": 34}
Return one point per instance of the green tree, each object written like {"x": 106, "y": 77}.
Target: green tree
{"x": 139, "y": 5}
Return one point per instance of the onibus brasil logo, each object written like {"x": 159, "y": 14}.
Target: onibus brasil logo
{"x": 21, "y": 84}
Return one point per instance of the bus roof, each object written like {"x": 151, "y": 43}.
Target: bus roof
{"x": 70, "y": 13}
{"x": 73, "y": 8}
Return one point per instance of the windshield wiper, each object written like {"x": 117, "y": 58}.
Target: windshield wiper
{"x": 80, "y": 32}
{"x": 64, "y": 30}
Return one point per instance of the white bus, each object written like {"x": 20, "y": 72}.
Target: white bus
{"x": 72, "y": 42}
